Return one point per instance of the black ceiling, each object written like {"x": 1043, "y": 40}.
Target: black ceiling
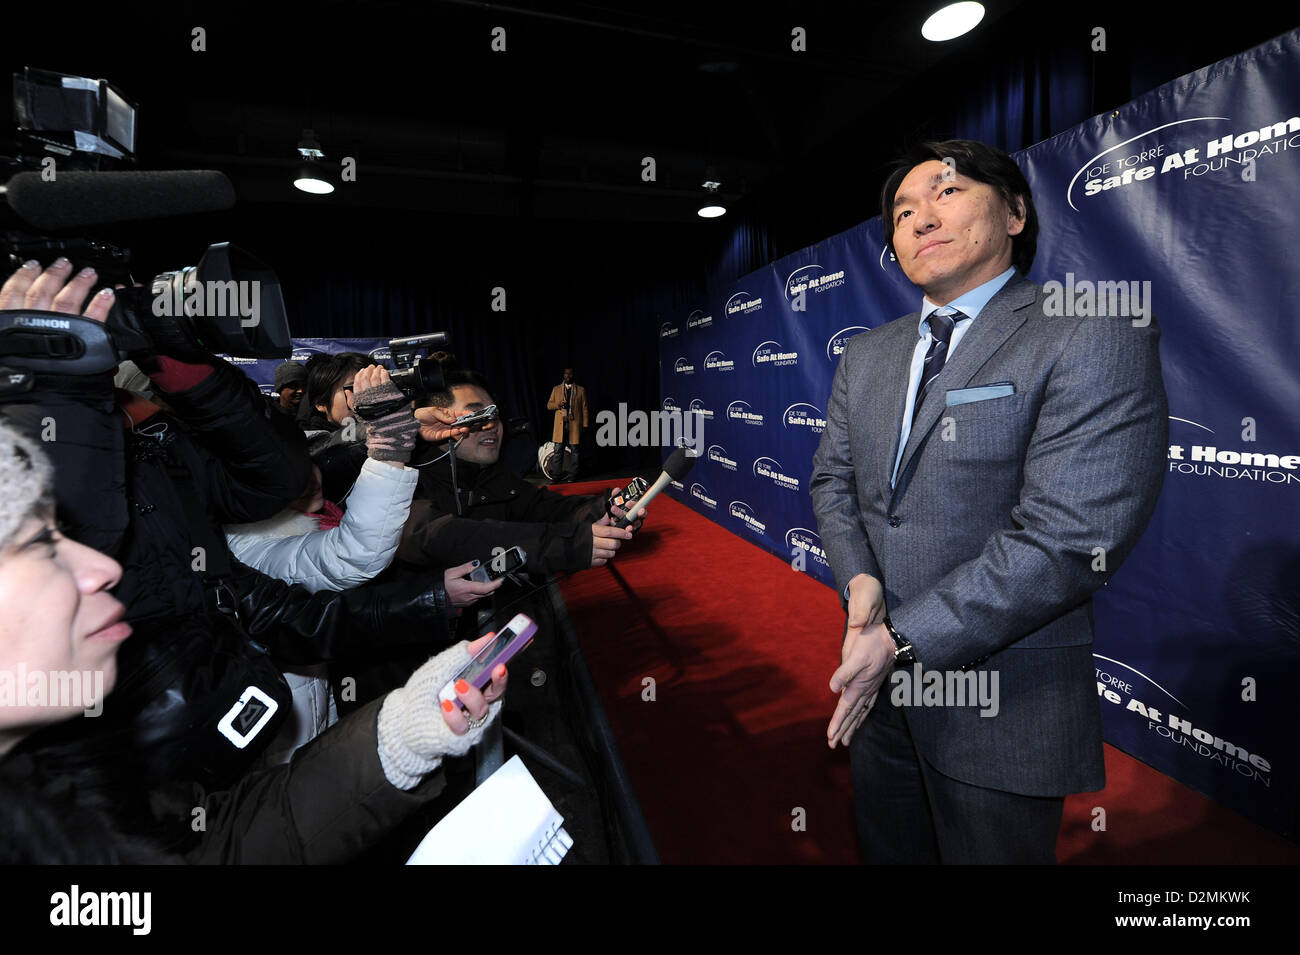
{"x": 556, "y": 126}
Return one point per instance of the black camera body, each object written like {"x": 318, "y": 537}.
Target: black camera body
{"x": 413, "y": 374}
{"x": 230, "y": 302}
{"x": 71, "y": 134}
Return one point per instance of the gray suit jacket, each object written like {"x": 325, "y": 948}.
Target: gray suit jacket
{"x": 986, "y": 546}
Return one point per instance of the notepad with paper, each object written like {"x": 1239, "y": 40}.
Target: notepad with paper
{"x": 506, "y": 821}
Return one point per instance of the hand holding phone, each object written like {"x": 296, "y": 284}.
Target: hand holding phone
{"x": 477, "y": 420}
{"x": 516, "y": 635}
{"x": 501, "y": 563}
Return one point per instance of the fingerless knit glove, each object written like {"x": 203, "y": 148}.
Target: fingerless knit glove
{"x": 389, "y": 422}
{"x": 413, "y": 736}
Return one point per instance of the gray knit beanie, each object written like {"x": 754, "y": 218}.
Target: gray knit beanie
{"x": 26, "y": 481}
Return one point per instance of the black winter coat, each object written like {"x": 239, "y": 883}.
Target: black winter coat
{"x": 156, "y": 499}
{"x": 496, "y": 509}
{"x": 327, "y": 806}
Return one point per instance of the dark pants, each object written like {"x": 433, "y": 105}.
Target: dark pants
{"x": 909, "y": 813}
{"x": 572, "y": 468}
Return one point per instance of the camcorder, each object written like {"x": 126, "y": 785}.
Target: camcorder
{"x": 57, "y": 187}
{"x": 412, "y": 374}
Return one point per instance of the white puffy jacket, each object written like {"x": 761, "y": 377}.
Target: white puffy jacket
{"x": 291, "y": 547}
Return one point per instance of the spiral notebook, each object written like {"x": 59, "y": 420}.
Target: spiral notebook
{"x": 506, "y": 821}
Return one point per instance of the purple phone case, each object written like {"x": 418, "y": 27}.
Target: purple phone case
{"x": 521, "y": 639}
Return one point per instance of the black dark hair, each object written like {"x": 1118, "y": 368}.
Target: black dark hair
{"x": 980, "y": 162}
{"x": 326, "y": 372}
{"x": 454, "y": 377}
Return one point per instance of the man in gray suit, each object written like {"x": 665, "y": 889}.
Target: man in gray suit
{"x": 982, "y": 472}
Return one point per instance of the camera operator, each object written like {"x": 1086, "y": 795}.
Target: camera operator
{"x": 154, "y": 494}
{"x": 339, "y": 795}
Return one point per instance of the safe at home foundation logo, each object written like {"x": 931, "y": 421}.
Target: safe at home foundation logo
{"x": 804, "y": 416}
{"x": 810, "y": 280}
{"x": 1231, "y": 455}
{"x": 742, "y": 303}
{"x": 717, "y": 361}
{"x": 1137, "y": 694}
{"x": 683, "y": 367}
{"x": 696, "y": 407}
{"x": 745, "y": 514}
{"x": 836, "y": 344}
{"x": 774, "y": 471}
{"x": 669, "y": 330}
{"x": 697, "y": 319}
{"x": 1185, "y": 149}
{"x": 718, "y": 455}
{"x": 701, "y": 494}
{"x": 807, "y": 541}
{"x": 742, "y": 411}
{"x": 771, "y": 354}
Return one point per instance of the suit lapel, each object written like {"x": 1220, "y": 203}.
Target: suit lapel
{"x": 997, "y": 322}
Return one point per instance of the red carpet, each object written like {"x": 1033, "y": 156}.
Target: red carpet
{"x": 730, "y": 753}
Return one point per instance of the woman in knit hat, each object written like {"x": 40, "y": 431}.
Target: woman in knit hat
{"x": 60, "y": 628}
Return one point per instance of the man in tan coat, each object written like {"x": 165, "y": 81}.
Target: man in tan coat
{"x": 569, "y": 402}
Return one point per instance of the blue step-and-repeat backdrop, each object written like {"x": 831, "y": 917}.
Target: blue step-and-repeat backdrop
{"x": 1192, "y": 192}
{"x": 262, "y": 370}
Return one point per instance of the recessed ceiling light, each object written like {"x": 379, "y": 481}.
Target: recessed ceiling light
{"x": 952, "y": 21}
{"x": 711, "y": 212}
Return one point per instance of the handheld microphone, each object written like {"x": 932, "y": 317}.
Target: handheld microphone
{"x": 676, "y": 468}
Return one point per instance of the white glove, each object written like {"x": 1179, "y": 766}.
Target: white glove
{"x": 413, "y": 736}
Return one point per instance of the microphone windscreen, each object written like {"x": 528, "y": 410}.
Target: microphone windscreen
{"x": 74, "y": 200}
{"x": 679, "y": 464}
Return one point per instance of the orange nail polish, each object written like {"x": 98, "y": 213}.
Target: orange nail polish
{"x": 448, "y": 705}
{"x": 499, "y": 672}
{"x": 462, "y": 686}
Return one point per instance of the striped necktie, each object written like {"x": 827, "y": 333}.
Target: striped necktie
{"x": 942, "y": 322}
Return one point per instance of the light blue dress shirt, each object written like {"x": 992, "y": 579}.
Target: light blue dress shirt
{"x": 968, "y": 303}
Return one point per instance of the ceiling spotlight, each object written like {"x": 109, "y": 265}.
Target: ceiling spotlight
{"x": 711, "y": 186}
{"x": 952, "y": 21}
{"x": 312, "y": 175}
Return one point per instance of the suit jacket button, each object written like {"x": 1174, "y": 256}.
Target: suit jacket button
{"x": 894, "y": 520}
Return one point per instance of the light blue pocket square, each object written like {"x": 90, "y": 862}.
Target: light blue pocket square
{"x": 963, "y": 396}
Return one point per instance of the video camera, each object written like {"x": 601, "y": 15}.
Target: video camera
{"x": 417, "y": 376}
{"x": 69, "y": 128}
